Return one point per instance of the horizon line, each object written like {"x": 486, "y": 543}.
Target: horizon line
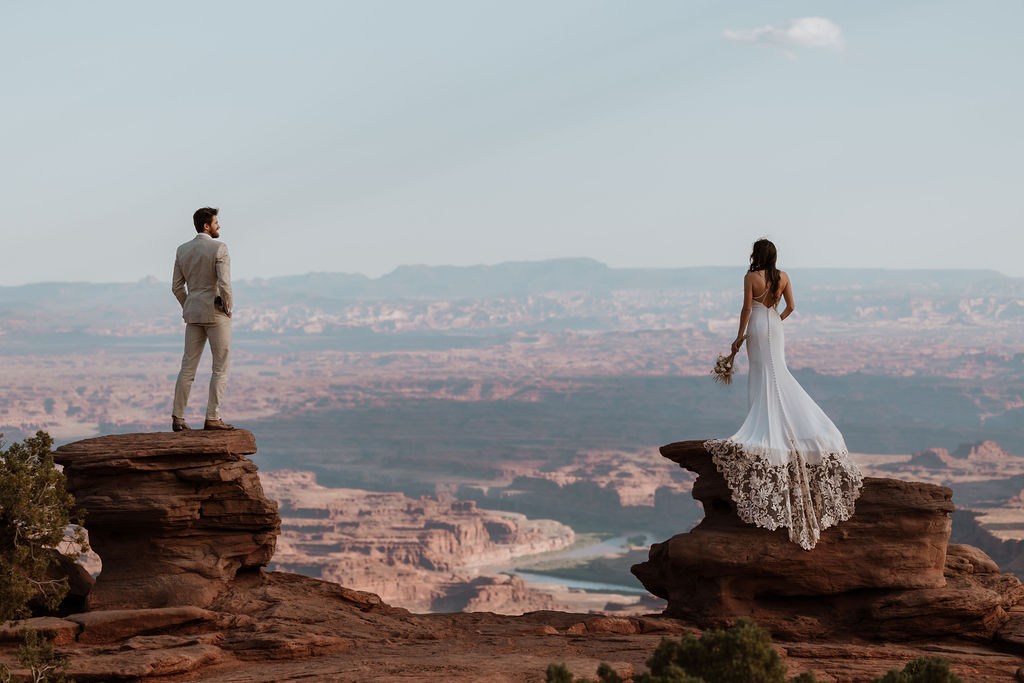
{"x": 396, "y": 269}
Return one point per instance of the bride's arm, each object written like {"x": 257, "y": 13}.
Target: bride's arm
{"x": 787, "y": 294}
{"x": 748, "y": 297}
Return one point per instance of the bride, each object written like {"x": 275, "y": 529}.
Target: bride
{"x": 787, "y": 466}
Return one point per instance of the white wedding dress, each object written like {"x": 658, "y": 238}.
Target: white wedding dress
{"x": 787, "y": 466}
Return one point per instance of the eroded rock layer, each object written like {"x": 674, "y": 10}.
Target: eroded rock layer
{"x": 889, "y": 571}
{"x": 174, "y": 516}
{"x": 421, "y": 554}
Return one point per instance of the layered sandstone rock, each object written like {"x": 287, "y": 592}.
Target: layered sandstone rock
{"x": 888, "y": 571}
{"x": 174, "y": 516}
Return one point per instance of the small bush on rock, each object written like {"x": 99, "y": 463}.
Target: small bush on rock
{"x": 37, "y": 654}
{"x": 805, "y": 677}
{"x": 740, "y": 654}
{"x": 35, "y": 513}
{"x": 559, "y": 673}
{"x": 922, "y": 670}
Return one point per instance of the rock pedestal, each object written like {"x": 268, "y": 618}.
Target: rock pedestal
{"x": 888, "y": 571}
{"x": 174, "y": 516}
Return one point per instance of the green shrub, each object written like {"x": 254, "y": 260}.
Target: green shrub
{"x": 37, "y": 654}
{"x": 35, "y": 513}
{"x": 805, "y": 677}
{"x": 559, "y": 673}
{"x": 922, "y": 670}
{"x": 740, "y": 654}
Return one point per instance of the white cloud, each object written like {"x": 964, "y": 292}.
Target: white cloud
{"x": 809, "y": 32}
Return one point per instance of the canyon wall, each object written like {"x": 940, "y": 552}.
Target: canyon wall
{"x": 422, "y": 554}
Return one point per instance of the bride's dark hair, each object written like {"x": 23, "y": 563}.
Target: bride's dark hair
{"x": 762, "y": 257}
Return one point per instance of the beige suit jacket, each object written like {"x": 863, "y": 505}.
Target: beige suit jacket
{"x": 204, "y": 266}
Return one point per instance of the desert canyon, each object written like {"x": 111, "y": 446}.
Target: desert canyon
{"x": 485, "y": 441}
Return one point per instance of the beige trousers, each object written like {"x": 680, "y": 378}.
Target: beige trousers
{"x": 196, "y": 334}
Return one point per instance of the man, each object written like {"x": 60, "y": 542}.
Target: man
{"x": 204, "y": 266}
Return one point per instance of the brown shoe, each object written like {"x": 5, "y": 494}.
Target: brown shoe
{"x": 217, "y": 424}
{"x": 178, "y": 425}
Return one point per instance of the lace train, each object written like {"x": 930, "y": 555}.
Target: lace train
{"x": 803, "y": 497}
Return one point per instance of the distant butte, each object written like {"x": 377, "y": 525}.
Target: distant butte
{"x": 984, "y": 458}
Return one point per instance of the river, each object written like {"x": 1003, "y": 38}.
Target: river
{"x": 610, "y": 546}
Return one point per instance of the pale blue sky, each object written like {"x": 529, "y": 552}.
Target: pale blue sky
{"x": 358, "y": 136}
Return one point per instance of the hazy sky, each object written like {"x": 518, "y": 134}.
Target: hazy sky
{"x": 358, "y": 136}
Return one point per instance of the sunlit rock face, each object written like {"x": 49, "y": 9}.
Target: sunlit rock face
{"x": 175, "y": 517}
{"x": 889, "y": 571}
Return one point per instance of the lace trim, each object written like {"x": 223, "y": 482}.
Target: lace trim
{"x": 804, "y": 498}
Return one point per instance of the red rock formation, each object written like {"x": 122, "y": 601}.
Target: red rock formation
{"x": 421, "y": 554}
{"x": 174, "y": 516}
{"x": 279, "y": 626}
{"x": 985, "y": 451}
{"x": 970, "y": 462}
{"x": 501, "y": 594}
{"x": 888, "y": 571}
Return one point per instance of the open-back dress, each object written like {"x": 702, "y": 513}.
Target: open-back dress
{"x": 787, "y": 466}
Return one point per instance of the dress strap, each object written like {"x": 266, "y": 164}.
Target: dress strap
{"x": 761, "y": 300}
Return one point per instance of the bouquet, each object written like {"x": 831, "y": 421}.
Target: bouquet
{"x": 723, "y": 366}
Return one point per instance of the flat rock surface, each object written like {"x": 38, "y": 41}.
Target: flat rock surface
{"x": 107, "y": 626}
{"x": 136, "y": 448}
{"x": 61, "y": 631}
{"x": 135, "y": 665}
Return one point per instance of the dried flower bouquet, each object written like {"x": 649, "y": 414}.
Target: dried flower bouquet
{"x": 724, "y": 366}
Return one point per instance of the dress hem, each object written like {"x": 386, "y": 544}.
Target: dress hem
{"x": 802, "y": 497}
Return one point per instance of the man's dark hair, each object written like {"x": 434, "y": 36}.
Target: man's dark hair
{"x": 203, "y": 217}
